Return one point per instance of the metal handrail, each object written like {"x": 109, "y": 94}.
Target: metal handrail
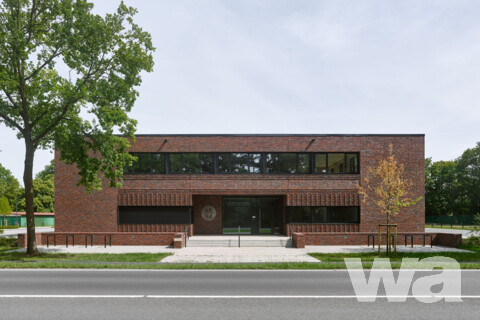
{"x": 186, "y": 235}
{"x": 291, "y": 231}
{"x": 239, "y": 236}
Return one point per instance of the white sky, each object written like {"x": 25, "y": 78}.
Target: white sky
{"x": 356, "y": 66}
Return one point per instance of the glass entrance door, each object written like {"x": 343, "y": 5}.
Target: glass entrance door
{"x": 252, "y": 215}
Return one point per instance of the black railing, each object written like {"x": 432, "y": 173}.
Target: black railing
{"x": 186, "y": 235}
{"x": 239, "y": 236}
{"x": 291, "y": 231}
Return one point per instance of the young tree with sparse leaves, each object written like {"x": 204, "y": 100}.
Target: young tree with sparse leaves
{"x": 69, "y": 77}
{"x": 388, "y": 188}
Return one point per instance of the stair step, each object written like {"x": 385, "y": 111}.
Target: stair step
{"x": 243, "y": 243}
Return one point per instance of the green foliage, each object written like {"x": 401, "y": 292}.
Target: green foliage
{"x": 9, "y": 186}
{"x": 452, "y": 187}
{"x": 103, "y": 58}
{"x": 4, "y": 206}
{"x": 43, "y": 191}
{"x": 49, "y": 170}
{"x": 10, "y": 243}
{"x": 476, "y": 222}
{"x": 59, "y": 62}
{"x": 469, "y": 177}
{"x": 471, "y": 241}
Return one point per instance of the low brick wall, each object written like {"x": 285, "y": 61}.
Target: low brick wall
{"x": 118, "y": 238}
{"x": 453, "y": 240}
{"x": 179, "y": 241}
{"x": 361, "y": 238}
{"x": 22, "y": 239}
{"x": 298, "y": 240}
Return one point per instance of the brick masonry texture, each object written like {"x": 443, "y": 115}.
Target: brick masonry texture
{"x": 207, "y": 227}
{"x": 361, "y": 238}
{"x": 77, "y": 211}
{"x": 156, "y": 228}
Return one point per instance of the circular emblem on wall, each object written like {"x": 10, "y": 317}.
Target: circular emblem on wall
{"x": 209, "y": 213}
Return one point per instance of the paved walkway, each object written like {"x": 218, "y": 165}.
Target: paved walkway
{"x": 239, "y": 255}
{"x": 14, "y": 232}
{"x": 236, "y": 255}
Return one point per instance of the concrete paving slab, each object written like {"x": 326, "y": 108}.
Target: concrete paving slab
{"x": 239, "y": 255}
{"x": 236, "y": 255}
{"x": 14, "y": 232}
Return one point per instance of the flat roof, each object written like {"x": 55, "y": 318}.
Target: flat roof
{"x": 281, "y": 135}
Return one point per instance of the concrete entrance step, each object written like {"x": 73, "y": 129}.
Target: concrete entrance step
{"x": 245, "y": 241}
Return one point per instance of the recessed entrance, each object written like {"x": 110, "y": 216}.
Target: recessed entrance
{"x": 252, "y": 215}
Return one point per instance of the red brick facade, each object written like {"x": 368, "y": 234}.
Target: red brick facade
{"x": 77, "y": 211}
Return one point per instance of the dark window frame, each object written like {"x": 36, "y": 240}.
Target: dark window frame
{"x": 344, "y": 163}
{"x": 311, "y": 156}
{"x": 167, "y": 163}
{"x": 287, "y": 215}
{"x": 277, "y": 166}
{"x": 136, "y": 154}
{"x": 249, "y": 160}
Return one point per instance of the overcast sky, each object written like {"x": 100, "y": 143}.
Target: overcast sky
{"x": 306, "y": 67}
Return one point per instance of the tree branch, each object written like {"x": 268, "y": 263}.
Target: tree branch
{"x": 53, "y": 56}
{"x": 11, "y": 100}
{"x": 12, "y": 122}
{"x": 32, "y": 12}
{"x": 65, "y": 108}
{"x": 34, "y": 122}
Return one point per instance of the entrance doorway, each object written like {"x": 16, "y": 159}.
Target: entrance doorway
{"x": 252, "y": 215}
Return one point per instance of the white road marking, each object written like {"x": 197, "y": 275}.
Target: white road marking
{"x": 216, "y": 270}
{"x": 224, "y": 296}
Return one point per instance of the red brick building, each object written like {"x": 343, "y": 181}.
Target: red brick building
{"x": 262, "y": 184}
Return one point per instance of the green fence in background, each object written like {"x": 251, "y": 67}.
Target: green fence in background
{"x": 21, "y": 221}
{"x": 457, "y": 221}
{"x": 40, "y": 221}
{"x": 10, "y": 221}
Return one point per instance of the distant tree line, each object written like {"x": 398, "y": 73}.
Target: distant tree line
{"x": 12, "y": 195}
{"x": 453, "y": 187}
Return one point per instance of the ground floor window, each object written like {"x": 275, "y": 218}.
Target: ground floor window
{"x": 323, "y": 214}
{"x": 154, "y": 215}
{"x": 252, "y": 215}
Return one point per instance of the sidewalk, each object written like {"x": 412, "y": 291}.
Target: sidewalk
{"x": 14, "y": 232}
{"x": 236, "y": 255}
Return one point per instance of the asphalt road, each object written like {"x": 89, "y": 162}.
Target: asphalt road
{"x": 121, "y": 294}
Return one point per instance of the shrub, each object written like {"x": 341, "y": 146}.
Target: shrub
{"x": 10, "y": 242}
{"x": 472, "y": 241}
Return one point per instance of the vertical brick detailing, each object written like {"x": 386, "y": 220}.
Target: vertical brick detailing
{"x": 155, "y": 228}
{"x": 148, "y": 198}
{"x": 322, "y": 228}
{"x": 323, "y": 199}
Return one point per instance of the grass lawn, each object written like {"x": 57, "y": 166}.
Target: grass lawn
{"x": 7, "y": 244}
{"x": 468, "y": 260}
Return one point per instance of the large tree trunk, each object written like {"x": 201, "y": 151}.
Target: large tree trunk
{"x": 30, "y": 213}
